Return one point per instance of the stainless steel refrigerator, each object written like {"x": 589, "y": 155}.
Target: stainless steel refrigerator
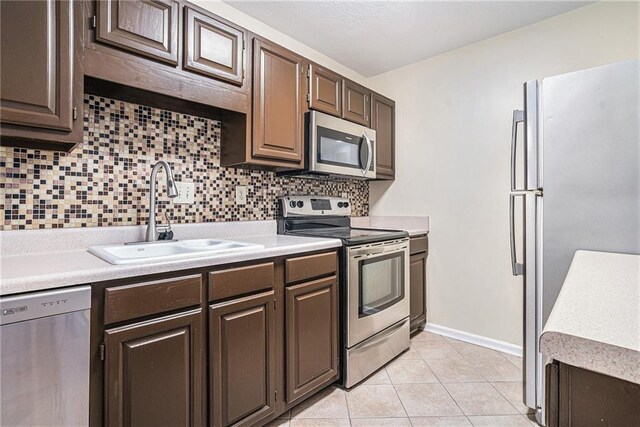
{"x": 575, "y": 176}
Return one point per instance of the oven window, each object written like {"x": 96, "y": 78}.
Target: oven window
{"x": 338, "y": 148}
{"x": 381, "y": 283}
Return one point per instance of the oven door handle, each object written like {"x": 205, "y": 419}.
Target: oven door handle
{"x": 397, "y": 247}
{"x": 401, "y": 247}
{"x": 368, "y": 252}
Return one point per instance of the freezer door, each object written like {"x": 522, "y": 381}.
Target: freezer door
{"x": 591, "y": 168}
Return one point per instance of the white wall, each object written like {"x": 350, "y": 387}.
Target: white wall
{"x": 453, "y": 130}
{"x": 234, "y": 15}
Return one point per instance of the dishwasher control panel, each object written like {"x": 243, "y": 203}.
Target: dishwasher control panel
{"x": 19, "y": 308}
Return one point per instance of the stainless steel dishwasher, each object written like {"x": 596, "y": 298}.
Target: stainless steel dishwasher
{"x": 44, "y": 358}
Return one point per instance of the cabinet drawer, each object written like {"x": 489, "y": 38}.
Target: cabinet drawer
{"x": 308, "y": 267}
{"x": 239, "y": 281}
{"x": 418, "y": 244}
{"x": 143, "y": 299}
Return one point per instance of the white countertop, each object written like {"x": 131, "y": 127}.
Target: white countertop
{"x": 35, "y": 266}
{"x": 595, "y": 322}
{"x": 414, "y": 225}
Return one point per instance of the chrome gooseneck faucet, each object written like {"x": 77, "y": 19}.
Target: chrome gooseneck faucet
{"x": 152, "y": 232}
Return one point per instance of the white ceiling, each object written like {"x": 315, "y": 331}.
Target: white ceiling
{"x": 372, "y": 37}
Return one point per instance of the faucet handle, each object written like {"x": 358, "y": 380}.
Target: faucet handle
{"x": 166, "y": 233}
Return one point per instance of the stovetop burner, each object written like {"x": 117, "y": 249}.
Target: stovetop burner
{"x": 328, "y": 217}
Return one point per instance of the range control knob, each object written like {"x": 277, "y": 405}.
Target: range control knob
{"x": 340, "y": 204}
{"x": 292, "y": 204}
{"x": 300, "y": 203}
{"x": 345, "y": 204}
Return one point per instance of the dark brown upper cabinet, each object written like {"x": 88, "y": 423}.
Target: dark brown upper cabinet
{"x": 42, "y": 82}
{"x": 356, "y": 103}
{"x": 242, "y": 339}
{"x": 153, "y": 52}
{"x": 146, "y": 27}
{"x": 311, "y": 336}
{"x": 383, "y": 121}
{"x": 278, "y": 104}
{"x": 325, "y": 90}
{"x": 154, "y": 372}
{"x": 213, "y": 47}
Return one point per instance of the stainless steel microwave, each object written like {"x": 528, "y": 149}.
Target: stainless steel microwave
{"x": 338, "y": 147}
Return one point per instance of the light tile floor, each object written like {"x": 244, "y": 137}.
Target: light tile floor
{"x": 438, "y": 382}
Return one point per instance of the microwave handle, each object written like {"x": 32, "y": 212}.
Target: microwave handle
{"x": 369, "y": 153}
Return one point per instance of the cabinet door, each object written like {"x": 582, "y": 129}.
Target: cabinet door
{"x": 325, "y": 90}
{"x": 146, "y": 27}
{"x": 278, "y": 90}
{"x": 418, "y": 289}
{"x": 383, "y": 121}
{"x": 213, "y": 48}
{"x": 153, "y": 372}
{"x": 311, "y": 336}
{"x": 242, "y": 360}
{"x": 356, "y": 105}
{"x": 37, "y": 56}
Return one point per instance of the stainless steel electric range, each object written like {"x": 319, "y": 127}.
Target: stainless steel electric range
{"x": 374, "y": 272}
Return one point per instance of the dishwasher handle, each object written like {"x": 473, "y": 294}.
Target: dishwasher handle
{"x": 24, "y": 307}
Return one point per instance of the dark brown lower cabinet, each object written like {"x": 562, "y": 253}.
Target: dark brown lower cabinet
{"x": 311, "y": 336}
{"x": 417, "y": 280}
{"x": 579, "y": 397}
{"x": 272, "y": 330}
{"x": 418, "y": 283}
{"x": 153, "y": 372}
{"x": 242, "y": 360}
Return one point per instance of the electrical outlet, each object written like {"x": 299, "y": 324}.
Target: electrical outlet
{"x": 186, "y": 193}
{"x": 241, "y": 195}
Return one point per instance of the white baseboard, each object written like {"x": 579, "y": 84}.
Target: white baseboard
{"x": 491, "y": 343}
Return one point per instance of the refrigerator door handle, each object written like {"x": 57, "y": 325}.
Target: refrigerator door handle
{"x": 518, "y": 116}
{"x": 517, "y": 268}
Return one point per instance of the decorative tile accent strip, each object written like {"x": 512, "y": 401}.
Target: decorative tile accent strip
{"x": 106, "y": 181}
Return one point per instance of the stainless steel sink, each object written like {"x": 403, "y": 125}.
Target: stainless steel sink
{"x": 168, "y": 251}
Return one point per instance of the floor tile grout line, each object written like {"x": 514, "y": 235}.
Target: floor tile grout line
{"x": 467, "y": 359}
{"x": 505, "y": 397}
{"x": 346, "y": 402}
{"x": 486, "y": 380}
{"x": 443, "y": 385}
{"x": 401, "y": 402}
{"x": 455, "y": 401}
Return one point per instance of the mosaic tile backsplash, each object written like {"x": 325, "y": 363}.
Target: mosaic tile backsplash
{"x": 105, "y": 182}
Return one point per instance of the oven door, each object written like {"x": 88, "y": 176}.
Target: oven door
{"x": 340, "y": 147}
{"x": 377, "y": 289}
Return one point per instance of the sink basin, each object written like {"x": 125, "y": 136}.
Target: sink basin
{"x": 168, "y": 251}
